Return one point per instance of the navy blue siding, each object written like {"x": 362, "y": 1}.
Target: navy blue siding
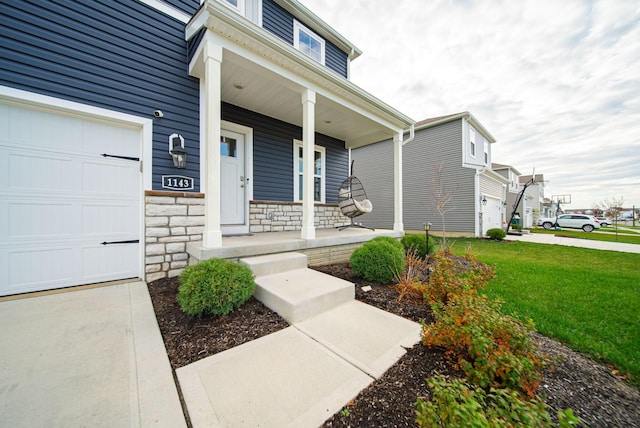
{"x": 187, "y": 6}
{"x": 280, "y": 22}
{"x": 335, "y": 59}
{"x": 277, "y": 20}
{"x": 120, "y": 55}
{"x": 273, "y": 155}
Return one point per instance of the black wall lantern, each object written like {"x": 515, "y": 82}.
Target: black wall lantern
{"x": 177, "y": 151}
{"x": 484, "y": 200}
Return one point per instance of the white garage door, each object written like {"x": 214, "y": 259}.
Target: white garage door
{"x": 68, "y": 215}
{"x": 491, "y": 215}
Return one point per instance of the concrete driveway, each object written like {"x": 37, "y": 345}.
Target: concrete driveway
{"x": 86, "y": 358}
{"x": 543, "y": 238}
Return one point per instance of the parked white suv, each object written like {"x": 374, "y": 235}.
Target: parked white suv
{"x": 572, "y": 221}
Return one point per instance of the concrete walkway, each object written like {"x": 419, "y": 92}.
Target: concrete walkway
{"x": 85, "y": 358}
{"x": 543, "y": 238}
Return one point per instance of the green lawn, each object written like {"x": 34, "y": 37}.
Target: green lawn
{"x": 609, "y": 235}
{"x": 588, "y": 299}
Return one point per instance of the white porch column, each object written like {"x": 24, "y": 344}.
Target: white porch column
{"x": 398, "y": 225}
{"x": 212, "y": 236}
{"x": 308, "y": 149}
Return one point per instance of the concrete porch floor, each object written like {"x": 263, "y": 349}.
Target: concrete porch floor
{"x": 234, "y": 247}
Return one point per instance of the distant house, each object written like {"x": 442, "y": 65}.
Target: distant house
{"x": 461, "y": 146}
{"x": 513, "y": 186}
{"x": 97, "y": 98}
{"x": 532, "y": 205}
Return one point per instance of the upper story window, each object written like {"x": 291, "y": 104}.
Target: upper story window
{"x": 486, "y": 152}
{"x": 251, "y": 9}
{"x": 472, "y": 142}
{"x": 308, "y": 42}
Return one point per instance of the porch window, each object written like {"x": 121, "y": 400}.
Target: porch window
{"x": 318, "y": 172}
{"x": 308, "y": 42}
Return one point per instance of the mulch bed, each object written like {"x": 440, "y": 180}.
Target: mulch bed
{"x": 598, "y": 397}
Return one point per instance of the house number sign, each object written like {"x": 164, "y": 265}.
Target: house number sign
{"x": 177, "y": 182}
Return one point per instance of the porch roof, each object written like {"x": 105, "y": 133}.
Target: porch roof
{"x": 263, "y": 73}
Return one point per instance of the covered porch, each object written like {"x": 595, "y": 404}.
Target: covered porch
{"x": 328, "y": 246}
{"x": 244, "y": 65}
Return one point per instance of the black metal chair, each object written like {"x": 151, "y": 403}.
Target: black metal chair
{"x": 352, "y": 200}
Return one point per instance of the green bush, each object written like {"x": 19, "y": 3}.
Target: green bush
{"x": 215, "y": 287}
{"x": 496, "y": 234}
{"x": 457, "y": 404}
{"x": 418, "y": 244}
{"x": 378, "y": 260}
{"x": 389, "y": 240}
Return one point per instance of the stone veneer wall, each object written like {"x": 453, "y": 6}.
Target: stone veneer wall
{"x": 171, "y": 220}
{"x": 266, "y": 216}
{"x": 174, "y": 218}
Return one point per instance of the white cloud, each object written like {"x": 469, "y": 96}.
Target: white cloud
{"x": 556, "y": 82}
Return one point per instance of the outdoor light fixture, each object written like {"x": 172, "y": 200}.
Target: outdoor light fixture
{"x": 177, "y": 151}
{"x": 484, "y": 200}
{"x": 427, "y": 226}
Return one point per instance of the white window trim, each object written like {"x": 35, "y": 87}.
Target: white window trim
{"x": 240, "y": 8}
{"x": 297, "y": 144}
{"x": 472, "y": 142}
{"x": 297, "y": 27}
{"x": 487, "y": 158}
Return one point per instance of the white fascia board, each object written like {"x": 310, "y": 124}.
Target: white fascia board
{"x": 238, "y": 34}
{"x": 495, "y": 176}
{"x": 464, "y": 115}
{"x": 167, "y": 10}
{"x": 310, "y": 19}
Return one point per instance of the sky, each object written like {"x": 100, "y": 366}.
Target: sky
{"x": 556, "y": 82}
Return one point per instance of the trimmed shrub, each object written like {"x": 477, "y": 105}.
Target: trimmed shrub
{"x": 496, "y": 234}
{"x": 214, "y": 287}
{"x": 417, "y": 244}
{"x": 389, "y": 240}
{"x": 378, "y": 260}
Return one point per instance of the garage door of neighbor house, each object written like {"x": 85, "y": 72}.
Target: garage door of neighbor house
{"x": 491, "y": 215}
{"x": 68, "y": 215}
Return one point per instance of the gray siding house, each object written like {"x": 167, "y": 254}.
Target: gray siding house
{"x": 98, "y": 97}
{"x": 457, "y": 145}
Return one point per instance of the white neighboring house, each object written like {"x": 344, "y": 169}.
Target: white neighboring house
{"x": 532, "y": 205}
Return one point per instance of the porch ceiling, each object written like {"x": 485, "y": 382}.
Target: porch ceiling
{"x": 253, "y": 87}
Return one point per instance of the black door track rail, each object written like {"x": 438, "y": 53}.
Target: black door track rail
{"x": 104, "y": 155}
{"x": 132, "y": 241}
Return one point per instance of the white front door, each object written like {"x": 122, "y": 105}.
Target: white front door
{"x": 233, "y": 182}
{"x": 70, "y": 206}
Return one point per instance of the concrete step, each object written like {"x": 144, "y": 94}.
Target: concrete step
{"x": 302, "y": 293}
{"x": 275, "y": 263}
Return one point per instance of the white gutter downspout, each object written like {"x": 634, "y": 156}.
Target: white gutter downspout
{"x": 398, "y": 143}
{"x": 478, "y": 204}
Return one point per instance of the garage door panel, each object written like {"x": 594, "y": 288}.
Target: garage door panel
{"x": 35, "y": 269}
{"x": 110, "y": 221}
{"x": 60, "y": 199}
{"x": 43, "y": 129}
{"x": 101, "y": 262}
{"x": 41, "y": 219}
{"x": 105, "y": 178}
{"x": 29, "y": 172}
{"x": 491, "y": 215}
{"x": 104, "y": 138}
